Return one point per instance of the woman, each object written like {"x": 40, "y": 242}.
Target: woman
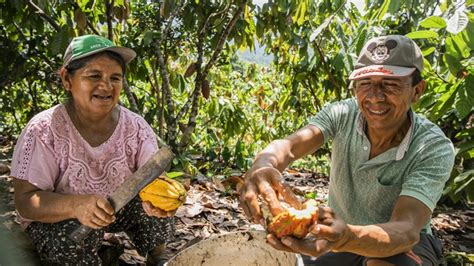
{"x": 69, "y": 158}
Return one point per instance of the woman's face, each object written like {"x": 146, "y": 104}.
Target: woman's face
{"x": 96, "y": 87}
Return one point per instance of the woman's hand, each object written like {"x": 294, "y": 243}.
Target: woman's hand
{"x": 94, "y": 211}
{"x": 265, "y": 181}
{"x": 329, "y": 233}
{"x": 157, "y": 212}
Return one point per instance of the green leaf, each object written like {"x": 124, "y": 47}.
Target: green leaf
{"x": 444, "y": 5}
{"x": 174, "y": 174}
{"x": 452, "y": 63}
{"x": 300, "y": 14}
{"x": 319, "y": 29}
{"x": 428, "y": 51}
{"x": 463, "y": 180}
{"x": 384, "y": 9}
{"x": 465, "y": 146}
{"x": 422, "y": 34}
{"x": 465, "y": 133}
{"x": 433, "y": 22}
{"x": 463, "y": 176}
{"x": 311, "y": 195}
{"x": 468, "y": 35}
{"x": 464, "y": 103}
{"x": 361, "y": 39}
{"x": 60, "y": 40}
{"x": 457, "y": 22}
{"x": 444, "y": 103}
{"x": 147, "y": 37}
{"x": 457, "y": 42}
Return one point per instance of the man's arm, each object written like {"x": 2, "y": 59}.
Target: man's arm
{"x": 398, "y": 235}
{"x": 264, "y": 177}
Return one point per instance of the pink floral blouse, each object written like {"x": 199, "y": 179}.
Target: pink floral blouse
{"x": 53, "y": 156}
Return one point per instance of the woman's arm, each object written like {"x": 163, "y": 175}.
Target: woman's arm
{"x": 50, "y": 207}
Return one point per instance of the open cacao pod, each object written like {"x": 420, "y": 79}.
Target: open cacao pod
{"x": 294, "y": 222}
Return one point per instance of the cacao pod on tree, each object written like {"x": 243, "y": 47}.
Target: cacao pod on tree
{"x": 190, "y": 70}
{"x": 205, "y": 90}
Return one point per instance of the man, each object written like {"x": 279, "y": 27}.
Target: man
{"x": 388, "y": 167}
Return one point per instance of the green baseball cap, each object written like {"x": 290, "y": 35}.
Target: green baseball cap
{"x": 391, "y": 55}
{"x": 86, "y": 45}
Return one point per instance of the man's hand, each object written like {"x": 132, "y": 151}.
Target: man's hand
{"x": 150, "y": 210}
{"x": 265, "y": 181}
{"x": 94, "y": 211}
{"x": 329, "y": 233}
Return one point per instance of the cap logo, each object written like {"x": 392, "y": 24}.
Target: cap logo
{"x": 98, "y": 45}
{"x": 380, "y": 53}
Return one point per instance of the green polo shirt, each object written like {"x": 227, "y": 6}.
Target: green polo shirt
{"x": 364, "y": 191}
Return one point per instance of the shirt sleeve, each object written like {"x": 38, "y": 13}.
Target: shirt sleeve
{"x": 426, "y": 181}
{"x": 332, "y": 118}
{"x": 148, "y": 142}
{"x": 33, "y": 159}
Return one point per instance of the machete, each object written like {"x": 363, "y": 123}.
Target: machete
{"x": 153, "y": 168}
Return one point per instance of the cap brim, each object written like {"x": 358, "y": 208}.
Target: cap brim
{"x": 381, "y": 70}
{"x": 126, "y": 53}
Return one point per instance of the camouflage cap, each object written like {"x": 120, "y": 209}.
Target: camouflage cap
{"x": 391, "y": 55}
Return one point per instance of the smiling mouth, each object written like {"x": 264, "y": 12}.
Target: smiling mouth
{"x": 377, "y": 112}
{"x": 102, "y": 97}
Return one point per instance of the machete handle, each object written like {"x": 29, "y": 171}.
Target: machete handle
{"x": 80, "y": 233}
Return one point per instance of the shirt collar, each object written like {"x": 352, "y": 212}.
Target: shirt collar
{"x": 404, "y": 145}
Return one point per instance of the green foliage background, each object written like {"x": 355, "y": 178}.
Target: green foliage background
{"x": 218, "y": 112}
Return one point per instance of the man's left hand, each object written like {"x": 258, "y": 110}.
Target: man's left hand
{"x": 329, "y": 234}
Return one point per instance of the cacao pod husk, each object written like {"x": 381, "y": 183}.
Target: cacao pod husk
{"x": 294, "y": 222}
{"x": 164, "y": 193}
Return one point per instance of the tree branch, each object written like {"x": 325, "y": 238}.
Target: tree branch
{"x": 130, "y": 97}
{"x": 108, "y": 10}
{"x": 89, "y": 24}
{"x": 42, "y": 14}
{"x": 202, "y": 75}
{"x": 328, "y": 71}
{"x": 159, "y": 101}
{"x": 223, "y": 37}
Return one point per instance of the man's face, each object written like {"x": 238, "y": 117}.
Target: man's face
{"x": 385, "y": 101}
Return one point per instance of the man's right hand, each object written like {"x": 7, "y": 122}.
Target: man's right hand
{"x": 267, "y": 182}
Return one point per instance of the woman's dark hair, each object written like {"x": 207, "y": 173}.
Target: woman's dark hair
{"x": 415, "y": 77}
{"x": 80, "y": 63}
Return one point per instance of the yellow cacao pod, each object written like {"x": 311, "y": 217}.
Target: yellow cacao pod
{"x": 164, "y": 193}
{"x": 293, "y": 222}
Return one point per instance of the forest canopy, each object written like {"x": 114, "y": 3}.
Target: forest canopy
{"x": 217, "y": 111}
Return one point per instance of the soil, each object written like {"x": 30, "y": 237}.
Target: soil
{"x": 211, "y": 210}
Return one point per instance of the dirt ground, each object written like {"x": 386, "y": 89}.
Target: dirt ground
{"x": 212, "y": 209}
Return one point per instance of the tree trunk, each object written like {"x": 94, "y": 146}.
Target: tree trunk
{"x": 202, "y": 75}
